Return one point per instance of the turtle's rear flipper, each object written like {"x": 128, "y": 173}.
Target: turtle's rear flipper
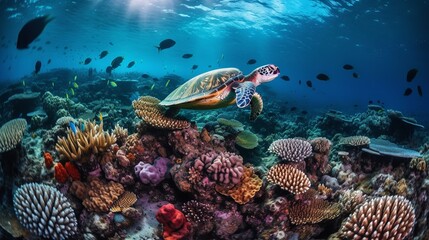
{"x": 244, "y": 93}
{"x": 256, "y": 106}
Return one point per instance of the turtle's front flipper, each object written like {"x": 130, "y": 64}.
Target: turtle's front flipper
{"x": 244, "y": 93}
{"x": 256, "y": 106}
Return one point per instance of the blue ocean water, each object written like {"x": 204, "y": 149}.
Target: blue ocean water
{"x": 381, "y": 39}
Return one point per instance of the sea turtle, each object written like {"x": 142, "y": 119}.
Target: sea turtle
{"x": 222, "y": 87}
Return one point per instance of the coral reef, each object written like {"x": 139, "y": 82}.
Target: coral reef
{"x": 288, "y": 178}
{"x": 174, "y": 224}
{"x": 11, "y": 133}
{"x": 291, "y": 149}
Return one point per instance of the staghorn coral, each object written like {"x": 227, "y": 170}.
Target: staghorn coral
{"x": 121, "y": 134}
{"x": 291, "y": 149}
{"x": 44, "y": 211}
{"x": 247, "y": 140}
{"x": 388, "y": 217}
{"x": 313, "y": 211}
{"x": 225, "y": 168}
{"x": 289, "y": 178}
{"x": 355, "y": 141}
{"x": 350, "y": 199}
{"x": 148, "y": 109}
{"x": 11, "y": 133}
{"x": 126, "y": 200}
{"x": 246, "y": 190}
{"x": 78, "y": 146}
{"x": 102, "y": 196}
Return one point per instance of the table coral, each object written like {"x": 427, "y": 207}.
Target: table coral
{"x": 175, "y": 226}
{"x": 101, "y": 196}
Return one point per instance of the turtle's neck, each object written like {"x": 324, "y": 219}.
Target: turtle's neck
{"x": 253, "y": 77}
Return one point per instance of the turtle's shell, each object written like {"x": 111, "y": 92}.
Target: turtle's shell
{"x": 201, "y": 86}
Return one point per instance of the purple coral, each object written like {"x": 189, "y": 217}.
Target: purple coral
{"x": 225, "y": 167}
{"x": 152, "y": 174}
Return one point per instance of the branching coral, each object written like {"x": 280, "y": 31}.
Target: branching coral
{"x": 313, "y": 211}
{"x": 289, "y": 178}
{"x": 80, "y": 144}
{"x": 148, "y": 109}
{"x": 102, "y": 196}
{"x": 388, "y": 217}
{"x": 11, "y": 134}
{"x": 291, "y": 149}
{"x": 350, "y": 199}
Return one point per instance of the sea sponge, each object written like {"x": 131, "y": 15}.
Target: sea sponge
{"x": 44, "y": 211}
{"x": 321, "y": 145}
{"x": 11, "y": 133}
{"x": 247, "y": 139}
{"x": 101, "y": 196}
{"x": 246, "y": 190}
{"x": 355, "y": 141}
{"x": 289, "y": 178}
{"x": 291, "y": 149}
{"x": 313, "y": 211}
{"x": 149, "y": 110}
{"x": 388, "y": 217}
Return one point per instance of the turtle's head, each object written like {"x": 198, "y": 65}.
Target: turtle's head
{"x": 265, "y": 73}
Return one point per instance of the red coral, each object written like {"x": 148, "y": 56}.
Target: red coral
{"x": 49, "y": 161}
{"x": 61, "y": 174}
{"x": 72, "y": 171}
{"x": 174, "y": 223}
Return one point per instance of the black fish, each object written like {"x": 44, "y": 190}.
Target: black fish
{"x": 87, "y": 61}
{"x": 187, "y": 55}
{"x": 48, "y": 42}
{"x": 304, "y": 112}
{"x": 167, "y": 43}
{"x": 109, "y": 70}
{"x": 411, "y": 74}
{"x": 117, "y": 62}
{"x": 348, "y": 67}
{"x": 144, "y": 75}
{"x": 103, "y": 54}
{"x": 408, "y": 92}
{"x": 370, "y": 102}
{"x": 37, "y": 67}
{"x": 31, "y": 30}
{"x": 355, "y": 75}
{"x": 111, "y": 43}
{"x": 299, "y": 82}
{"x": 292, "y": 109}
{"x": 251, "y": 61}
{"x": 194, "y": 67}
{"x": 209, "y": 66}
{"x": 131, "y": 64}
{"x": 322, "y": 76}
{"x": 49, "y": 61}
{"x": 286, "y": 78}
{"x": 419, "y": 90}
{"x": 39, "y": 48}
{"x": 309, "y": 84}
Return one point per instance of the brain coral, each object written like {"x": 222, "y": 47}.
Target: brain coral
{"x": 289, "y": 178}
{"x": 44, "y": 211}
{"x": 388, "y": 217}
{"x": 11, "y": 134}
{"x": 291, "y": 149}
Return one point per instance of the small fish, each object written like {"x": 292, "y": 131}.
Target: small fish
{"x": 194, "y": 67}
{"x": 67, "y": 96}
{"x": 82, "y": 127}
{"x": 131, "y": 64}
{"x": 75, "y": 85}
{"x": 72, "y": 91}
{"x": 164, "y": 44}
{"x": 348, "y": 67}
{"x": 103, "y": 54}
{"x": 187, "y": 55}
{"x": 48, "y": 42}
{"x": 23, "y": 83}
{"x": 144, "y": 75}
{"x": 53, "y": 84}
{"x": 168, "y": 81}
{"x": 31, "y": 30}
{"x": 113, "y": 84}
{"x": 286, "y": 78}
{"x": 408, "y": 92}
{"x": 322, "y": 77}
{"x": 419, "y": 90}
{"x": 370, "y": 102}
{"x": 37, "y": 67}
{"x": 299, "y": 82}
{"x": 49, "y": 61}
{"x": 411, "y": 74}
{"x": 111, "y": 44}
{"x": 209, "y": 66}
{"x": 87, "y": 61}
{"x": 153, "y": 85}
{"x": 73, "y": 127}
{"x": 117, "y": 62}
{"x": 75, "y": 77}
{"x": 309, "y": 84}
{"x": 109, "y": 70}
{"x": 293, "y": 109}
{"x": 251, "y": 61}
{"x": 100, "y": 117}
{"x": 355, "y": 75}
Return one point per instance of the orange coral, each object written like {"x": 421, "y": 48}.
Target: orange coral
{"x": 289, "y": 178}
{"x": 60, "y": 173}
{"x": 102, "y": 196}
{"x": 49, "y": 161}
{"x": 72, "y": 171}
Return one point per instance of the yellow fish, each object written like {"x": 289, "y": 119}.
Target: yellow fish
{"x": 153, "y": 85}
{"x": 113, "y": 84}
{"x": 72, "y": 91}
{"x": 166, "y": 84}
{"x": 75, "y": 85}
{"x": 75, "y": 77}
{"x": 100, "y": 116}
